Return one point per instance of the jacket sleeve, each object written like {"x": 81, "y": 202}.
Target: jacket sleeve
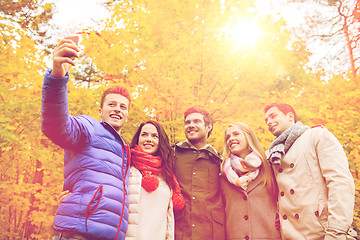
{"x": 56, "y": 123}
{"x": 340, "y": 184}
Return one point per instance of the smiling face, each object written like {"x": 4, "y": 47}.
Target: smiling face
{"x": 149, "y": 139}
{"x": 115, "y": 110}
{"x": 277, "y": 121}
{"x": 236, "y": 142}
{"x": 195, "y": 129}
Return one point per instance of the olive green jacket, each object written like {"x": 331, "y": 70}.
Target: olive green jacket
{"x": 198, "y": 172}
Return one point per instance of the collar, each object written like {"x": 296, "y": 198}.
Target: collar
{"x": 187, "y": 145}
{"x": 192, "y": 146}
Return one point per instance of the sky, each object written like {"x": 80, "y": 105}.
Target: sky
{"x": 73, "y": 15}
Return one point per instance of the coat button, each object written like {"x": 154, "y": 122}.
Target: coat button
{"x": 292, "y": 191}
{"x": 282, "y": 194}
{"x": 246, "y": 217}
{"x": 247, "y": 238}
{"x": 280, "y": 170}
{"x": 291, "y": 165}
{"x": 317, "y": 213}
{"x": 284, "y": 217}
{"x": 297, "y": 216}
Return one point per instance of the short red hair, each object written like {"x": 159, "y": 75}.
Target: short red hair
{"x": 116, "y": 89}
{"x": 283, "y": 107}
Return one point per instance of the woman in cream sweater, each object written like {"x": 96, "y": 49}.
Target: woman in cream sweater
{"x": 153, "y": 189}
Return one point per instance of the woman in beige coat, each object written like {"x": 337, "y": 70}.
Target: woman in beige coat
{"x": 248, "y": 187}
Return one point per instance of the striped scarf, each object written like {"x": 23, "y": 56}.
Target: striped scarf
{"x": 241, "y": 172}
{"x": 282, "y": 143}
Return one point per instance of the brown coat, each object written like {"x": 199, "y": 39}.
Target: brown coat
{"x": 198, "y": 174}
{"x": 316, "y": 189}
{"x": 249, "y": 214}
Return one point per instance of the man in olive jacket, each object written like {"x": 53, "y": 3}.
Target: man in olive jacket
{"x": 316, "y": 189}
{"x": 197, "y": 169}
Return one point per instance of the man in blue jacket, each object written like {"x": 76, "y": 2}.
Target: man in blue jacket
{"x": 95, "y": 156}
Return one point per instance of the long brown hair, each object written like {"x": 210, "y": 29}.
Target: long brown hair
{"x": 165, "y": 151}
{"x": 266, "y": 171}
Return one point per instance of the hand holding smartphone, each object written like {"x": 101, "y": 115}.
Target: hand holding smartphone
{"x": 63, "y": 56}
{"x": 75, "y": 39}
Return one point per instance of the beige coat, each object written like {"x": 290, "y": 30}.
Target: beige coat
{"x": 316, "y": 188}
{"x": 137, "y": 195}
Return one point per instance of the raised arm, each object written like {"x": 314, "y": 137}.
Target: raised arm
{"x": 64, "y": 54}
{"x": 56, "y": 124}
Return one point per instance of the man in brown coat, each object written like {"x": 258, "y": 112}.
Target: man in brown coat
{"x": 316, "y": 188}
{"x": 197, "y": 169}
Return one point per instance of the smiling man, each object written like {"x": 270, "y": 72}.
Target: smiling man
{"x": 197, "y": 169}
{"x": 95, "y": 156}
{"x": 316, "y": 189}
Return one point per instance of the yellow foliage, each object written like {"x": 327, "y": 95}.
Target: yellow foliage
{"x": 171, "y": 56}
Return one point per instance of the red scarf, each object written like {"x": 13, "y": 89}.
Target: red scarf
{"x": 150, "y": 165}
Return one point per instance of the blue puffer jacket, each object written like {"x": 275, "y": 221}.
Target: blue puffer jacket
{"x": 96, "y": 167}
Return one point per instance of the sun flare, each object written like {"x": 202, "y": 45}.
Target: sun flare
{"x": 244, "y": 33}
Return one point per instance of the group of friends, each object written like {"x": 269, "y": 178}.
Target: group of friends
{"x": 301, "y": 188}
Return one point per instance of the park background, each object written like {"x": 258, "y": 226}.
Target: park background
{"x": 231, "y": 57}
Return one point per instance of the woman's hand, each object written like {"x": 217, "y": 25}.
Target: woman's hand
{"x": 63, "y": 55}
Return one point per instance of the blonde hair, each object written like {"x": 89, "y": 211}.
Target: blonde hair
{"x": 254, "y": 145}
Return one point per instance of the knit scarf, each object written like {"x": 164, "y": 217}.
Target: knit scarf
{"x": 150, "y": 166}
{"x": 282, "y": 143}
{"x": 241, "y": 172}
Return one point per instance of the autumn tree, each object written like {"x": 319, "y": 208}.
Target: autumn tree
{"x": 178, "y": 54}
{"x": 171, "y": 55}
{"x": 24, "y": 205}
{"x": 332, "y": 25}
{"x": 31, "y": 17}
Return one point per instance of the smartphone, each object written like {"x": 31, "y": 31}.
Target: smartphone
{"x": 75, "y": 39}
